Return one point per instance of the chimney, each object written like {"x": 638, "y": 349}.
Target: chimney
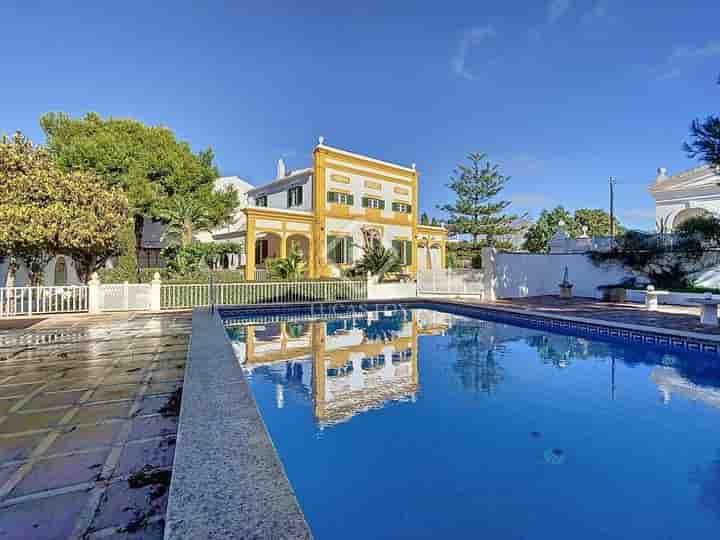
{"x": 280, "y": 169}
{"x": 661, "y": 175}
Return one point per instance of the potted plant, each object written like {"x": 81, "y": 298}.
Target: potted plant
{"x": 566, "y": 286}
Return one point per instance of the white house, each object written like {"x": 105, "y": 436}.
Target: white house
{"x": 688, "y": 194}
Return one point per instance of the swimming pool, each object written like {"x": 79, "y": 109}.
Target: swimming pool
{"x": 423, "y": 424}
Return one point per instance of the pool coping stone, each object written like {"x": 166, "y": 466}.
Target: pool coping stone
{"x": 228, "y": 481}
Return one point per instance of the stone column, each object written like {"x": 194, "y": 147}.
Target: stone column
{"x": 94, "y": 294}
{"x": 489, "y": 274}
{"x": 155, "y": 286}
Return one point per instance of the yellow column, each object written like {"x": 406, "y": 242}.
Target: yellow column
{"x": 311, "y": 256}
{"x": 283, "y": 245}
{"x": 443, "y": 262}
{"x": 318, "y": 378}
{"x": 250, "y": 249}
{"x": 414, "y": 232}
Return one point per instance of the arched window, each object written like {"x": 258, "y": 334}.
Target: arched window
{"x": 689, "y": 213}
{"x": 60, "y": 272}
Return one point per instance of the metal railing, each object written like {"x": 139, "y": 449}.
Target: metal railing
{"x": 261, "y": 292}
{"x": 450, "y": 281}
{"x": 17, "y": 301}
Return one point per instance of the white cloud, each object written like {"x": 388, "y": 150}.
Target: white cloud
{"x": 683, "y": 56}
{"x": 556, "y": 9}
{"x": 469, "y": 39}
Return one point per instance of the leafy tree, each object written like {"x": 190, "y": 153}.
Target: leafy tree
{"x": 378, "y": 261}
{"x": 189, "y": 213}
{"x": 291, "y": 268}
{"x": 596, "y": 220}
{"x": 705, "y": 144}
{"x": 701, "y": 228}
{"x": 434, "y": 222}
{"x": 424, "y": 219}
{"x": 539, "y": 233}
{"x": 476, "y": 210}
{"x": 547, "y": 225}
{"x": 49, "y": 211}
{"x": 147, "y": 162}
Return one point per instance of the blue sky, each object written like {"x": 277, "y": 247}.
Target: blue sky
{"x": 561, "y": 93}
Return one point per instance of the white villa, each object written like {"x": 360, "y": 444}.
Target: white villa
{"x": 688, "y": 194}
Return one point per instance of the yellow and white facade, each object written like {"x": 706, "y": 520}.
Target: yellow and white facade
{"x": 330, "y": 210}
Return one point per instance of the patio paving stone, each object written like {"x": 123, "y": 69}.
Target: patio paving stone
{"x": 79, "y": 385}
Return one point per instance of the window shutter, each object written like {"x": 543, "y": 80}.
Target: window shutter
{"x": 365, "y": 202}
{"x": 382, "y": 204}
{"x": 408, "y": 252}
{"x": 396, "y": 245}
{"x": 351, "y": 200}
{"x": 394, "y": 207}
{"x": 348, "y": 250}
{"x": 409, "y": 208}
{"x": 289, "y": 198}
{"x": 331, "y": 242}
{"x": 331, "y": 198}
{"x": 299, "y": 195}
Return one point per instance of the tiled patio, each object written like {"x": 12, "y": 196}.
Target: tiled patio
{"x": 88, "y": 417}
{"x": 686, "y": 319}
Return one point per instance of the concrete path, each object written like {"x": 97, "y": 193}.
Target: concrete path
{"x": 681, "y": 318}
{"x": 88, "y": 417}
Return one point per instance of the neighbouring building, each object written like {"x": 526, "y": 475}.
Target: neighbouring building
{"x": 330, "y": 210}
{"x": 688, "y": 194}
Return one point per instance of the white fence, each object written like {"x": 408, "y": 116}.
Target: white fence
{"x": 17, "y": 301}
{"x": 280, "y": 292}
{"x": 125, "y": 297}
{"x": 451, "y": 282}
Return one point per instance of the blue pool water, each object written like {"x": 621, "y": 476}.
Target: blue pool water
{"x": 422, "y": 424}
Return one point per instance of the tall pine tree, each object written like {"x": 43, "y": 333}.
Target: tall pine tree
{"x": 705, "y": 143}
{"x": 476, "y": 210}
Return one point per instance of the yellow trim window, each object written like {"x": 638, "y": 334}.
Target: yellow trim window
{"x": 372, "y": 202}
{"x": 340, "y": 198}
{"x": 403, "y": 208}
{"x": 339, "y": 249}
{"x": 403, "y": 249}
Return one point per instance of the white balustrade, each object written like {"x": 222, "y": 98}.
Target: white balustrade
{"x": 28, "y": 301}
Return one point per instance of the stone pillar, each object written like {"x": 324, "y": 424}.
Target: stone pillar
{"x": 155, "y": 286}
{"x": 489, "y": 274}
{"x": 94, "y": 293}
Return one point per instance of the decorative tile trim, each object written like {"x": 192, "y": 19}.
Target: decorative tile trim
{"x": 532, "y": 320}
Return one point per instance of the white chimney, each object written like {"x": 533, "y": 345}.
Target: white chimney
{"x": 661, "y": 175}
{"x": 280, "y": 169}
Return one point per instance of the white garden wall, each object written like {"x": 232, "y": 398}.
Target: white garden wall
{"x": 529, "y": 274}
{"x": 380, "y": 291}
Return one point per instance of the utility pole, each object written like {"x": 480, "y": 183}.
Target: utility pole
{"x": 612, "y": 211}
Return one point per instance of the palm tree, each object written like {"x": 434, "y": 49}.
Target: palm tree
{"x": 378, "y": 260}
{"x": 189, "y": 213}
{"x": 291, "y": 268}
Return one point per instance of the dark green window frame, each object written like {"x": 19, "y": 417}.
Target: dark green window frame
{"x": 340, "y": 198}
{"x": 339, "y": 249}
